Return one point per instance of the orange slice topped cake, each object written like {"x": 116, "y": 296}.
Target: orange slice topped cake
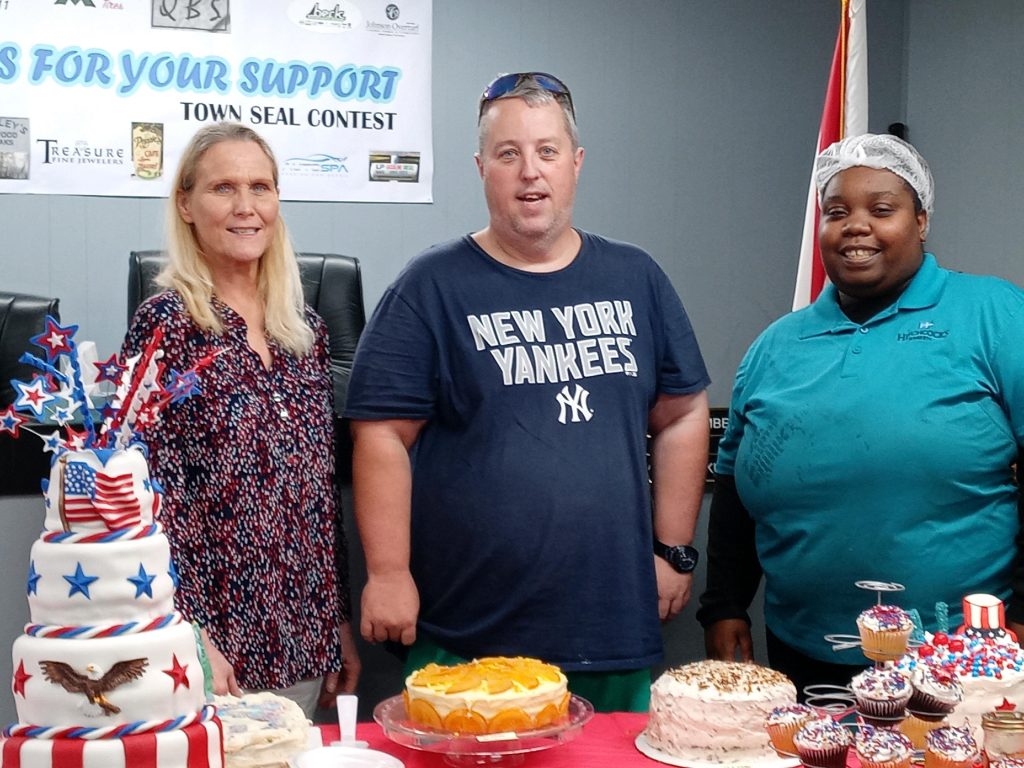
{"x": 490, "y": 695}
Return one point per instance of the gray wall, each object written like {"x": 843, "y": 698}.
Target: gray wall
{"x": 699, "y": 120}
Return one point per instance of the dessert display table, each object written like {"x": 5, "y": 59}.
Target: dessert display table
{"x": 607, "y": 741}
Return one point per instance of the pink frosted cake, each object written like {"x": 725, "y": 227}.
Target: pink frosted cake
{"x": 716, "y": 710}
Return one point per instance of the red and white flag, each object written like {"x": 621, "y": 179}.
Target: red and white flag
{"x": 845, "y": 114}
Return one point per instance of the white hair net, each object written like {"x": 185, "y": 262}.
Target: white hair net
{"x": 880, "y": 151}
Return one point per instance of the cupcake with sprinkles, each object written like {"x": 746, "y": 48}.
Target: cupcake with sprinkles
{"x": 884, "y": 631}
{"x": 936, "y": 692}
{"x": 882, "y": 695}
{"x": 950, "y": 747}
{"x": 822, "y": 743}
{"x": 881, "y": 748}
{"x": 782, "y": 724}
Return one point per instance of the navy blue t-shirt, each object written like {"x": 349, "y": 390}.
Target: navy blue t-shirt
{"x": 531, "y": 512}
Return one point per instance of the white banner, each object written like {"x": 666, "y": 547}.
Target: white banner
{"x": 99, "y": 97}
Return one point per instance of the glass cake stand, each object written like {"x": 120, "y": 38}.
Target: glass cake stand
{"x": 502, "y": 749}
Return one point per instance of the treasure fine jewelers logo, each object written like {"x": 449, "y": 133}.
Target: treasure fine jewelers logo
{"x": 81, "y": 152}
{"x": 925, "y": 331}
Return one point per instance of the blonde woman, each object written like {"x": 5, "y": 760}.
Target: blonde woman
{"x": 247, "y": 465}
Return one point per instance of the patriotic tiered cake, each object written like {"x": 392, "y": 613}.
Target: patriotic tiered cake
{"x": 107, "y": 673}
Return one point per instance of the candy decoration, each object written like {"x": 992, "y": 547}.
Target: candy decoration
{"x": 942, "y": 617}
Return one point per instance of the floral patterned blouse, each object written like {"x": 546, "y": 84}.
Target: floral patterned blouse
{"x": 250, "y": 506}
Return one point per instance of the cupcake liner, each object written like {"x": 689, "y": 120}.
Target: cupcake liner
{"x": 901, "y": 763}
{"x": 915, "y": 729}
{"x": 883, "y": 645}
{"x": 927, "y": 707}
{"x": 881, "y": 713}
{"x": 935, "y": 760}
{"x": 781, "y": 737}
{"x": 826, "y": 757}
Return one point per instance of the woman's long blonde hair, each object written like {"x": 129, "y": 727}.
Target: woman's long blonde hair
{"x": 279, "y": 283}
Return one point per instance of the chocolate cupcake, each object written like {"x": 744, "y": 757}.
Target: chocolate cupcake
{"x": 881, "y": 748}
{"x": 882, "y": 695}
{"x": 782, "y": 724}
{"x": 884, "y": 631}
{"x": 936, "y": 692}
{"x": 950, "y": 747}
{"x": 822, "y": 744}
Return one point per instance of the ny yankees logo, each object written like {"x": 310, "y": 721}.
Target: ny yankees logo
{"x": 577, "y": 401}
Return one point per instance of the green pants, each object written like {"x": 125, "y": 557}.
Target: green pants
{"x": 616, "y": 691}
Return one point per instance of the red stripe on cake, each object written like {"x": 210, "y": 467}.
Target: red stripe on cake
{"x": 197, "y": 746}
{"x": 12, "y": 751}
{"x": 67, "y": 753}
{"x": 140, "y": 749}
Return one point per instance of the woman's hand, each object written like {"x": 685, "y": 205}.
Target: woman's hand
{"x": 729, "y": 640}
{"x": 224, "y": 682}
{"x": 346, "y": 680}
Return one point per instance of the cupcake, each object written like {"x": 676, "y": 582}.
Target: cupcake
{"x": 882, "y": 695}
{"x": 936, "y": 692}
{"x": 822, "y": 744}
{"x": 782, "y": 724}
{"x": 881, "y": 748}
{"x": 950, "y": 747}
{"x": 884, "y": 630}
{"x": 917, "y": 730}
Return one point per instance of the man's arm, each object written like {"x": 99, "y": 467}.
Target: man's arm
{"x": 679, "y": 459}
{"x": 382, "y": 489}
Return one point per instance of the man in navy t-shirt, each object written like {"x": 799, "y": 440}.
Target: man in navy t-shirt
{"x": 502, "y": 397}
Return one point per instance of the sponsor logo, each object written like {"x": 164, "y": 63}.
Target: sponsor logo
{"x": 315, "y": 165}
{"x": 148, "y": 150}
{"x": 391, "y": 166}
{"x": 198, "y": 15}
{"x": 574, "y": 401}
{"x": 327, "y": 16}
{"x": 14, "y": 148}
{"x": 81, "y": 152}
{"x": 88, "y": 3}
{"x": 393, "y": 27}
{"x": 925, "y": 331}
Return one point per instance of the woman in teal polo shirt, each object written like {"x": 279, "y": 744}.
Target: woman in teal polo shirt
{"x": 872, "y": 435}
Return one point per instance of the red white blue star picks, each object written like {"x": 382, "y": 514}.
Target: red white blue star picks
{"x": 11, "y": 421}
{"x": 110, "y": 370}
{"x": 56, "y": 340}
{"x": 31, "y": 397}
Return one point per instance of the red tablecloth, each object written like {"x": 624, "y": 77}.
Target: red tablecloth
{"x": 605, "y": 742}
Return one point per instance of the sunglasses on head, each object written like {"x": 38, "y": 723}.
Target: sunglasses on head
{"x": 505, "y": 84}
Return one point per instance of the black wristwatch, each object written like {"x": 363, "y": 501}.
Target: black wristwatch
{"x": 683, "y": 557}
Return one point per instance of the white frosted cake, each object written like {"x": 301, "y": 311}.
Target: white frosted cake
{"x": 107, "y": 674}
{"x": 990, "y": 668}
{"x": 715, "y": 711}
{"x": 261, "y": 730}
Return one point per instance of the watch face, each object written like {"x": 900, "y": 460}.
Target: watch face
{"x": 682, "y": 558}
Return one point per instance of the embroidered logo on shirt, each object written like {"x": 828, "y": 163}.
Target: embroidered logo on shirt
{"x": 577, "y": 401}
{"x": 925, "y": 331}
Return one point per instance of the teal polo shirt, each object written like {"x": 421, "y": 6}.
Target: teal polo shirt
{"x": 882, "y": 451}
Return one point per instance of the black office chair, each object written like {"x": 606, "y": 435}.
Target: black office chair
{"x": 21, "y": 317}
{"x": 332, "y": 285}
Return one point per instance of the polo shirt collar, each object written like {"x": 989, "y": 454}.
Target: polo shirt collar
{"x": 824, "y": 315}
